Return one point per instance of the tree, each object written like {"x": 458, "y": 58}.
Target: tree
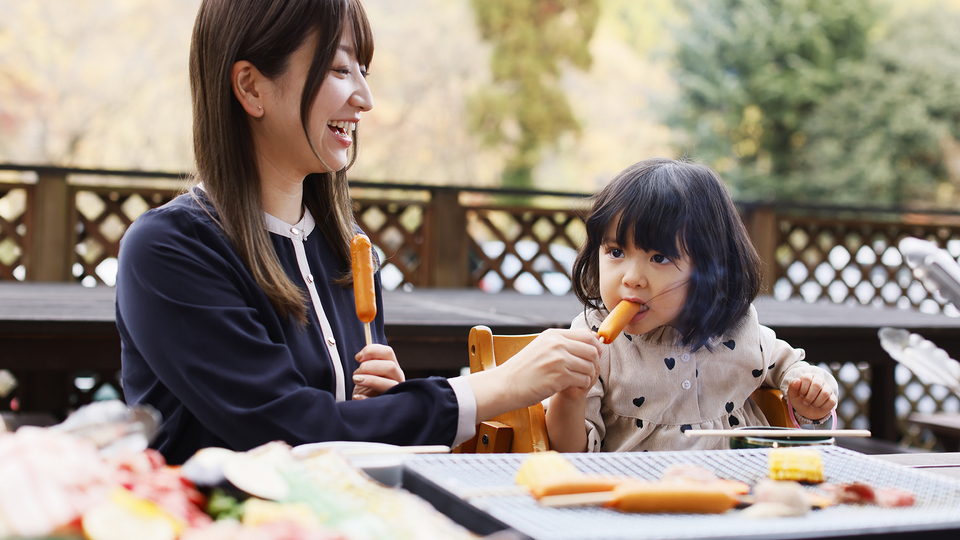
{"x": 95, "y": 83}
{"x": 751, "y": 71}
{"x": 523, "y": 109}
{"x": 892, "y": 133}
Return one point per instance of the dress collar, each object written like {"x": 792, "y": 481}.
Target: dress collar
{"x": 301, "y": 230}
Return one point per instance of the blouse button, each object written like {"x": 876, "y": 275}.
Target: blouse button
{"x": 331, "y": 342}
{"x": 686, "y": 385}
{"x": 309, "y": 278}
{"x": 685, "y": 357}
{"x": 295, "y": 231}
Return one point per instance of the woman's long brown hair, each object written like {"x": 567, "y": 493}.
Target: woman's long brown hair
{"x": 266, "y": 33}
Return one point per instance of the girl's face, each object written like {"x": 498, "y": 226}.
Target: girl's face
{"x": 645, "y": 277}
{"x": 336, "y": 110}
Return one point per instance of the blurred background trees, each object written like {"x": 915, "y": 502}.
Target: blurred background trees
{"x": 826, "y": 102}
{"x": 891, "y": 134}
{"x": 524, "y": 109}
{"x": 806, "y": 100}
{"x": 751, "y": 72}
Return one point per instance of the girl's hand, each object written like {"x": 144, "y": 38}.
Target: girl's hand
{"x": 811, "y": 396}
{"x": 379, "y": 371}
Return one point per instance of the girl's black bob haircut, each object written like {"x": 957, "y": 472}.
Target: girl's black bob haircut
{"x": 677, "y": 208}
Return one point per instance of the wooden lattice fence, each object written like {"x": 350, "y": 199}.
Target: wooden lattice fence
{"x": 53, "y": 228}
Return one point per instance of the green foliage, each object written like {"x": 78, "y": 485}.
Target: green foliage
{"x": 642, "y": 24}
{"x": 751, "y": 71}
{"x": 223, "y": 506}
{"x": 891, "y": 134}
{"x": 524, "y": 109}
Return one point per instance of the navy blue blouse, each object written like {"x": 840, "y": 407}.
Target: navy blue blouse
{"x": 202, "y": 344}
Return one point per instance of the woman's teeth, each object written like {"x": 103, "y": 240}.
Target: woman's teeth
{"x": 343, "y": 127}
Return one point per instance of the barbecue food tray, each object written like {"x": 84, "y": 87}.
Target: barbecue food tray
{"x": 479, "y": 492}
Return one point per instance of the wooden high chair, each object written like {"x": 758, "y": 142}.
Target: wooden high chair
{"x": 521, "y": 430}
{"x": 773, "y": 405}
{"x": 525, "y": 430}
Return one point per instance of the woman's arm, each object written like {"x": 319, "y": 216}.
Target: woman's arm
{"x": 554, "y": 361}
{"x": 204, "y": 346}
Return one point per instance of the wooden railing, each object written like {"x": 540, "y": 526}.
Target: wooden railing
{"x": 61, "y": 224}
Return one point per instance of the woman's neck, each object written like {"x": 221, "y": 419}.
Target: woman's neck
{"x": 282, "y": 198}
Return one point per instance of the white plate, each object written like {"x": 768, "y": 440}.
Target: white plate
{"x": 382, "y": 462}
{"x": 348, "y": 448}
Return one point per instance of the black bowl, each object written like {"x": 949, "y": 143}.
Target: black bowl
{"x": 774, "y": 441}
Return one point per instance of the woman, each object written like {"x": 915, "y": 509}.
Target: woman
{"x": 234, "y": 305}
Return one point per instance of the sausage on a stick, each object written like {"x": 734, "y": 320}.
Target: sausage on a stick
{"x": 361, "y": 258}
{"x": 617, "y": 320}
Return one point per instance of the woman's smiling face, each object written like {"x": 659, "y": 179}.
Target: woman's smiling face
{"x": 336, "y": 110}
{"x": 644, "y": 277}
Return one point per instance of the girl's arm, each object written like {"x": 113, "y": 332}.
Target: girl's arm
{"x": 566, "y": 416}
{"x": 812, "y": 391}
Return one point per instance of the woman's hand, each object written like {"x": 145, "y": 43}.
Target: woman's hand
{"x": 379, "y": 371}
{"x": 811, "y": 396}
{"x": 553, "y": 362}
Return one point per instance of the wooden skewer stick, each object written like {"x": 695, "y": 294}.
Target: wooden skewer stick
{"x": 597, "y": 498}
{"x": 777, "y": 433}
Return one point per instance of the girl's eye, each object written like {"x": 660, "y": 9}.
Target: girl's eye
{"x": 616, "y": 253}
{"x": 659, "y": 258}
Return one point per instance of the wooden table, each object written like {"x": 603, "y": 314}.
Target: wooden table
{"x": 946, "y": 426}
{"x": 942, "y": 463}
{"x": 54, "y": 329}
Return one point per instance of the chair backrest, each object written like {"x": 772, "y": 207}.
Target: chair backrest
{"x": 525, "y": 430}
{"x": 521, "y": 430}
{"x": 771, "y": 402}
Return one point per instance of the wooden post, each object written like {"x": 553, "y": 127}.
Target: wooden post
{"x": 883, "y": 394}
{"x": 761, "y": 223}
{"x": 51, "y": 246}
{"x": 447, "y": 241}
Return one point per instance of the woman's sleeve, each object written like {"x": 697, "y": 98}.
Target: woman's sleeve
{"x": 205, "y": 332}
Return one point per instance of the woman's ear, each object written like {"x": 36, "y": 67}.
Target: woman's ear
{"x": 246, "y": 80}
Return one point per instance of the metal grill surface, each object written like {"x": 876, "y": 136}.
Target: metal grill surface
{"x": 486, "y": 483}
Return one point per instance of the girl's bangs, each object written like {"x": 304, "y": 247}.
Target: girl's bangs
{"x": 654, "y": 222}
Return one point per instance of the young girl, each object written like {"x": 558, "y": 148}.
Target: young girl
{"x": 665, "y": 234}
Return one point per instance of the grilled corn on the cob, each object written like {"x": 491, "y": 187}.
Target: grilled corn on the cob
{"x": 796, "y": 464}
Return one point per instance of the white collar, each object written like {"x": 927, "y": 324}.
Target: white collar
{"x": 301, "y": 230}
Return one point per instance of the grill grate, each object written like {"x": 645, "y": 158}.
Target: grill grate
{"x": 486, "y": 482}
